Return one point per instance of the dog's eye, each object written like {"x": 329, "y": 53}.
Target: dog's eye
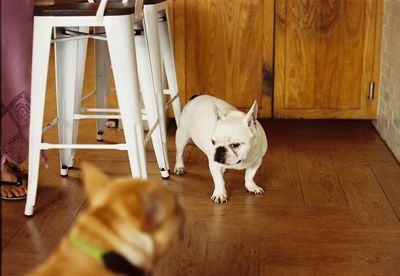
{"x": 212, "y": 141}
{"x": 234, "y": 145}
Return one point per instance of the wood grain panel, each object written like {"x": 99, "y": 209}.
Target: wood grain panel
{"x": 268, "y": 58}
{"x": 201, "y": 52}
{"x": 328, "y": 59}
{"x": 225, "y": 48}
{"x": 302, "y": 18}
{"x": 325, "y": 52}
{"x": 179, "y": 47}
{"x": 351, "y": 64}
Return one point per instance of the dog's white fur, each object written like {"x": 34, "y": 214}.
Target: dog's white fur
{"x": 213, "y": 124}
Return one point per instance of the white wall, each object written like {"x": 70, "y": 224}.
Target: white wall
{"x": 388, "y": 122}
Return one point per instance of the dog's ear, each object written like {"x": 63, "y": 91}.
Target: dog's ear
{"x": 251, "y": 117}
{"x": 153, "y": 209}
{"x": 218, "y": 112}
{"x": 156, "y": 204}
{"x": 93, "y": 179}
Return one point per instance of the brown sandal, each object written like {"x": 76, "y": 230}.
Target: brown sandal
{"x": 20, "y": 178}
{"x": 17, "y": 183}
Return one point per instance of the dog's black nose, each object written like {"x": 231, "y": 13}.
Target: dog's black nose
{"x": 220, "y": 155}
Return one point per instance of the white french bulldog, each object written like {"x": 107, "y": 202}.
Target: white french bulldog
{"x": 230, "y": 138}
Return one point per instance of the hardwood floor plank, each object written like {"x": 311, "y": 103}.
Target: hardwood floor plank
{"x": 319, "y": 181}
{"x": 350, "y": 234}
{"x": 10, "y": 224}
{"x": 280, "y": 174}
{"x": 356, "y": 153}
{"x": 286, "y": 270}
{"x": 222, "y": 258}
{"x": 58, "y": 202}
{"x": 365, "y": 196}
{"x": 20, "y": 263}
{"x": 188, "y": 256}
{"x": 358, "y": 270}
{"x": 283, "y": 253}
{"x": 388, "y": 177}
{"x": 253, "y": 224}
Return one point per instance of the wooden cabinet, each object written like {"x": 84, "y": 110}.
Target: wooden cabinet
{"x": 324, "y": 54}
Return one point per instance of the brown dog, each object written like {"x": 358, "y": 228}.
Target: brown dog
{"x": 128, "y": 225}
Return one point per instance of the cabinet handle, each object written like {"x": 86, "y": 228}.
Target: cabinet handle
{"x": 371, "y": 91}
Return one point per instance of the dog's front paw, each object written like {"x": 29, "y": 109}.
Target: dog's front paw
{"x": 219, "y": 197}
{"x": 179, "y": 171}
{"x": 254, "y": 189}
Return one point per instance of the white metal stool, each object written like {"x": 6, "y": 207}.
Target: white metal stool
{"x": 117, "y": 19}
{"x": 149, "y": 95}
{"x": 154, "y": 53}
{"x": 64, "y": 51}
{"x": 156, "y": 21}
{"x": 152, "y": 98}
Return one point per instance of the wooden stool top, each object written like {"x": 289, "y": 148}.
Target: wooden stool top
{"x": 80, "y": 8}
{"x": 152, "y": 2}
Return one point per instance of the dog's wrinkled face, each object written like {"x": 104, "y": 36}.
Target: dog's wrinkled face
{"x": 141, "y": 215}
{"x": 232, "y": 137}
{"x": 231, "y": 141}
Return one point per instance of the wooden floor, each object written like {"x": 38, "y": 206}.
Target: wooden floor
{"x": 331, "y": 207}
{"x": 331, "y": 204}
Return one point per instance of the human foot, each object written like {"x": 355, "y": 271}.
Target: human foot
{"x": 13, "y": 182}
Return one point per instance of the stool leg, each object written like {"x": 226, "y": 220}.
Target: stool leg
{"x": 122, "y": 53}
{"x": 70, "y": 60}
{"x": 167, "y": 53}
{"x": 151, "y": 34}
{"x": 150, "y": 101}
{"x": 102, "y": 60}
{"x": 80, "y": 74}
{"x": 40, "y": 58}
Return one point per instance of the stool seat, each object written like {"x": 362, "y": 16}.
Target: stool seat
{"x": 145, "y": 2}
{"x": 152, "y": 2}
{"x": 68, "y": 8}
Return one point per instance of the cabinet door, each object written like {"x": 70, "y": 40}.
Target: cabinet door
{"x": 326, "y": 55}
{"x": 224, "y": 48}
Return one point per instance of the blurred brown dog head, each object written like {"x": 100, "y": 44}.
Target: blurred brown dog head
{"x": 138, "y": 219}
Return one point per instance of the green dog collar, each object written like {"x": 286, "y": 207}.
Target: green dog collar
{"x": 110, "y": 260}
{"x": 90, "y": 249}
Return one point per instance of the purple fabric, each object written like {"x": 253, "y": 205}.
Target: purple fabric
{"x": 16, "y": 57}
